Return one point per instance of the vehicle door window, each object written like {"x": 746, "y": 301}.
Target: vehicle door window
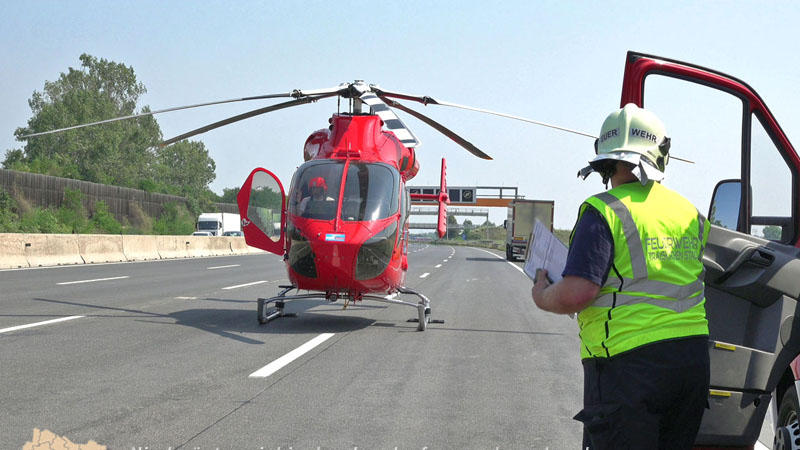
{"x": 771, "y": 182}
{"x": 705, "y": 126}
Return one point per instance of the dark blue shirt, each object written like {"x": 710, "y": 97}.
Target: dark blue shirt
{"x": 592, "y": 250}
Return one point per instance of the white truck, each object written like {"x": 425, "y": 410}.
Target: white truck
{"x": 218, "y": 223}
{"x": 522, "y": 215}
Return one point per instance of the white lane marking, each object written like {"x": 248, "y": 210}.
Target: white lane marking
{"x": 760, "y": 446}
{"x": 500, "y": 257}
{"x": 92, "y": 281}
{"x": 222, "y": 267}
{"x": 185, "y": 298}
{"x": 46, "y": 322}
{"x": 424, "y": 275}
{"x": 445, "y": 260}
{"x": 284, "y": 360}
{"x": 246, "y": 284}
{"x": 437, "y": 266}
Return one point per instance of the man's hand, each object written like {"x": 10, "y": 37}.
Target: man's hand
{"x": 570, "y": 295}
{"x": 539, "y": 285}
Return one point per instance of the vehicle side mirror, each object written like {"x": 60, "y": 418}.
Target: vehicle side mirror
{"x": 505, "y": 224}
{"x": 726, "y": 204}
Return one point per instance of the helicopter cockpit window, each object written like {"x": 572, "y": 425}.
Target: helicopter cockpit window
{"x": 315, "y": 190}
{"x": 370, "y": 192}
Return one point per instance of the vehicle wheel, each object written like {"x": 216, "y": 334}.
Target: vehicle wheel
{"x": 789, "y": 410}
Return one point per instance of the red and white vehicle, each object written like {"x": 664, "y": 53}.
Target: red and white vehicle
{"x": 752, "y": 260}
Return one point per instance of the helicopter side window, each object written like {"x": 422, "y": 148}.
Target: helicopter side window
{"x": 315, "y": 190}
{"x": 370, "y": 192}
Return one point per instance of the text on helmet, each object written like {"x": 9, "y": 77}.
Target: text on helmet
{"x": 644, "y": 134}
{"x": 608, "y": 135}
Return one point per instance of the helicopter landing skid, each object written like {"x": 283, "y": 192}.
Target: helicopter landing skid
{"x": 423, "y": 307}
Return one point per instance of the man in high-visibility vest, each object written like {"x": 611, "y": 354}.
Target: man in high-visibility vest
{"x": 634, "y": 275}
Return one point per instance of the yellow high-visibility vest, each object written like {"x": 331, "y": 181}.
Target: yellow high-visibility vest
{"x": 654, "y": 289}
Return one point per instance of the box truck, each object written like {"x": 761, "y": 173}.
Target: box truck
{"x": 522, "y": 215}
{"x": 218, "y": 223}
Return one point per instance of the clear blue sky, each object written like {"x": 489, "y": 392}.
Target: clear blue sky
{"x": 557, "y": 61}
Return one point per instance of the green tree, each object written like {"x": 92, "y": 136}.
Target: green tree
{"x": 9, "y": 218}
{"x": 187, "y": 167}
{"x": 229, "y": 195}
{"x": 72, "y": 215}
{"x": 103, "y": 221}
{"x": 174, "y": 220}
{"x": 119, "y": 153}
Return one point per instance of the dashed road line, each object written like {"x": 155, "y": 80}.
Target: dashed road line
{"x": 424, "y": 275}
{"x": 437, "y": 266}
{"x": 245, "y": 285}
{"x": 46, "y": 322}
{"x": 92, "y": 281}
{"x": 284, "y": 360}
{"x": 222, "y": 267}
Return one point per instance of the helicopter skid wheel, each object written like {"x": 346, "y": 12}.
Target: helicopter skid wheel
{"x": 264, "y": 315}
{"x": 424, "y": 317}
{"x": 262, "y": 318}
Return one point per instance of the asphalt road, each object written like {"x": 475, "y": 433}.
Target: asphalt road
{"x": 159, "y": 355}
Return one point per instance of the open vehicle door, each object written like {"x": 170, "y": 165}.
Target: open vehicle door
{"x": 752, "y": 268}
{"x": 262, "y": 210}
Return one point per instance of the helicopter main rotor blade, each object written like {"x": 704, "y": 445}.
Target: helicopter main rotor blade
{"x": 247, "y": 115}
{"x": 297, "y": 93}
{"x": 425, "y": 100}
{"x": 439, "y": 127}
{"x": 390, "y": 119}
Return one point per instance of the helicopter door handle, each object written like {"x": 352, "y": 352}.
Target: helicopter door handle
{"x": 758, "y": 256}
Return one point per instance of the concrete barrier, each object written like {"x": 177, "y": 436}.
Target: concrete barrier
{"x": 52, "y": 249}
{"x": 100, "y": 248}
{"x": 198, "y": 246}
{"x": 140, "y": 248}
{"x": 220, "y": 245}
{"x": 170, "y": 247}
{"x": 12, "y": 251}
{"x": 37, "y": 250}
{"x": 238, "y": 246}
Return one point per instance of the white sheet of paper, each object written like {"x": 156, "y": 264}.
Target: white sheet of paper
{"x": 546, "y": 252}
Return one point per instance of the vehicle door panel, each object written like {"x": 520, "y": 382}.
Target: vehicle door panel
{"x": 752, "y": 284}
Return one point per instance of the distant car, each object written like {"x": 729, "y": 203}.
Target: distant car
{"x": 201, "y": 233}
{"x": 233, "y": 233}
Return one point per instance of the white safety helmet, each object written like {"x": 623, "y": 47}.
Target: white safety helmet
{"x": 634, "y": 135}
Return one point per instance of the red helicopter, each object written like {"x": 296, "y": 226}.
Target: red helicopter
{"x": 343, "y": 233}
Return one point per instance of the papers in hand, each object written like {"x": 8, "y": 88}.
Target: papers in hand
{"x": 546, "y": 252}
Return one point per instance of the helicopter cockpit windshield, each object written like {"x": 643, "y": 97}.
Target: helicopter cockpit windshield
{"x": 370, "y": 191}
{"x": 315, "y": 190}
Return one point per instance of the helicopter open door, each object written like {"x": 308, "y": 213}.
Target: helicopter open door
{"x": 262, "y": 210}
{"x": 752, "y": 263}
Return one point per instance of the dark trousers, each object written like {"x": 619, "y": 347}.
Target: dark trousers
{"x": 651, "y": 397}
